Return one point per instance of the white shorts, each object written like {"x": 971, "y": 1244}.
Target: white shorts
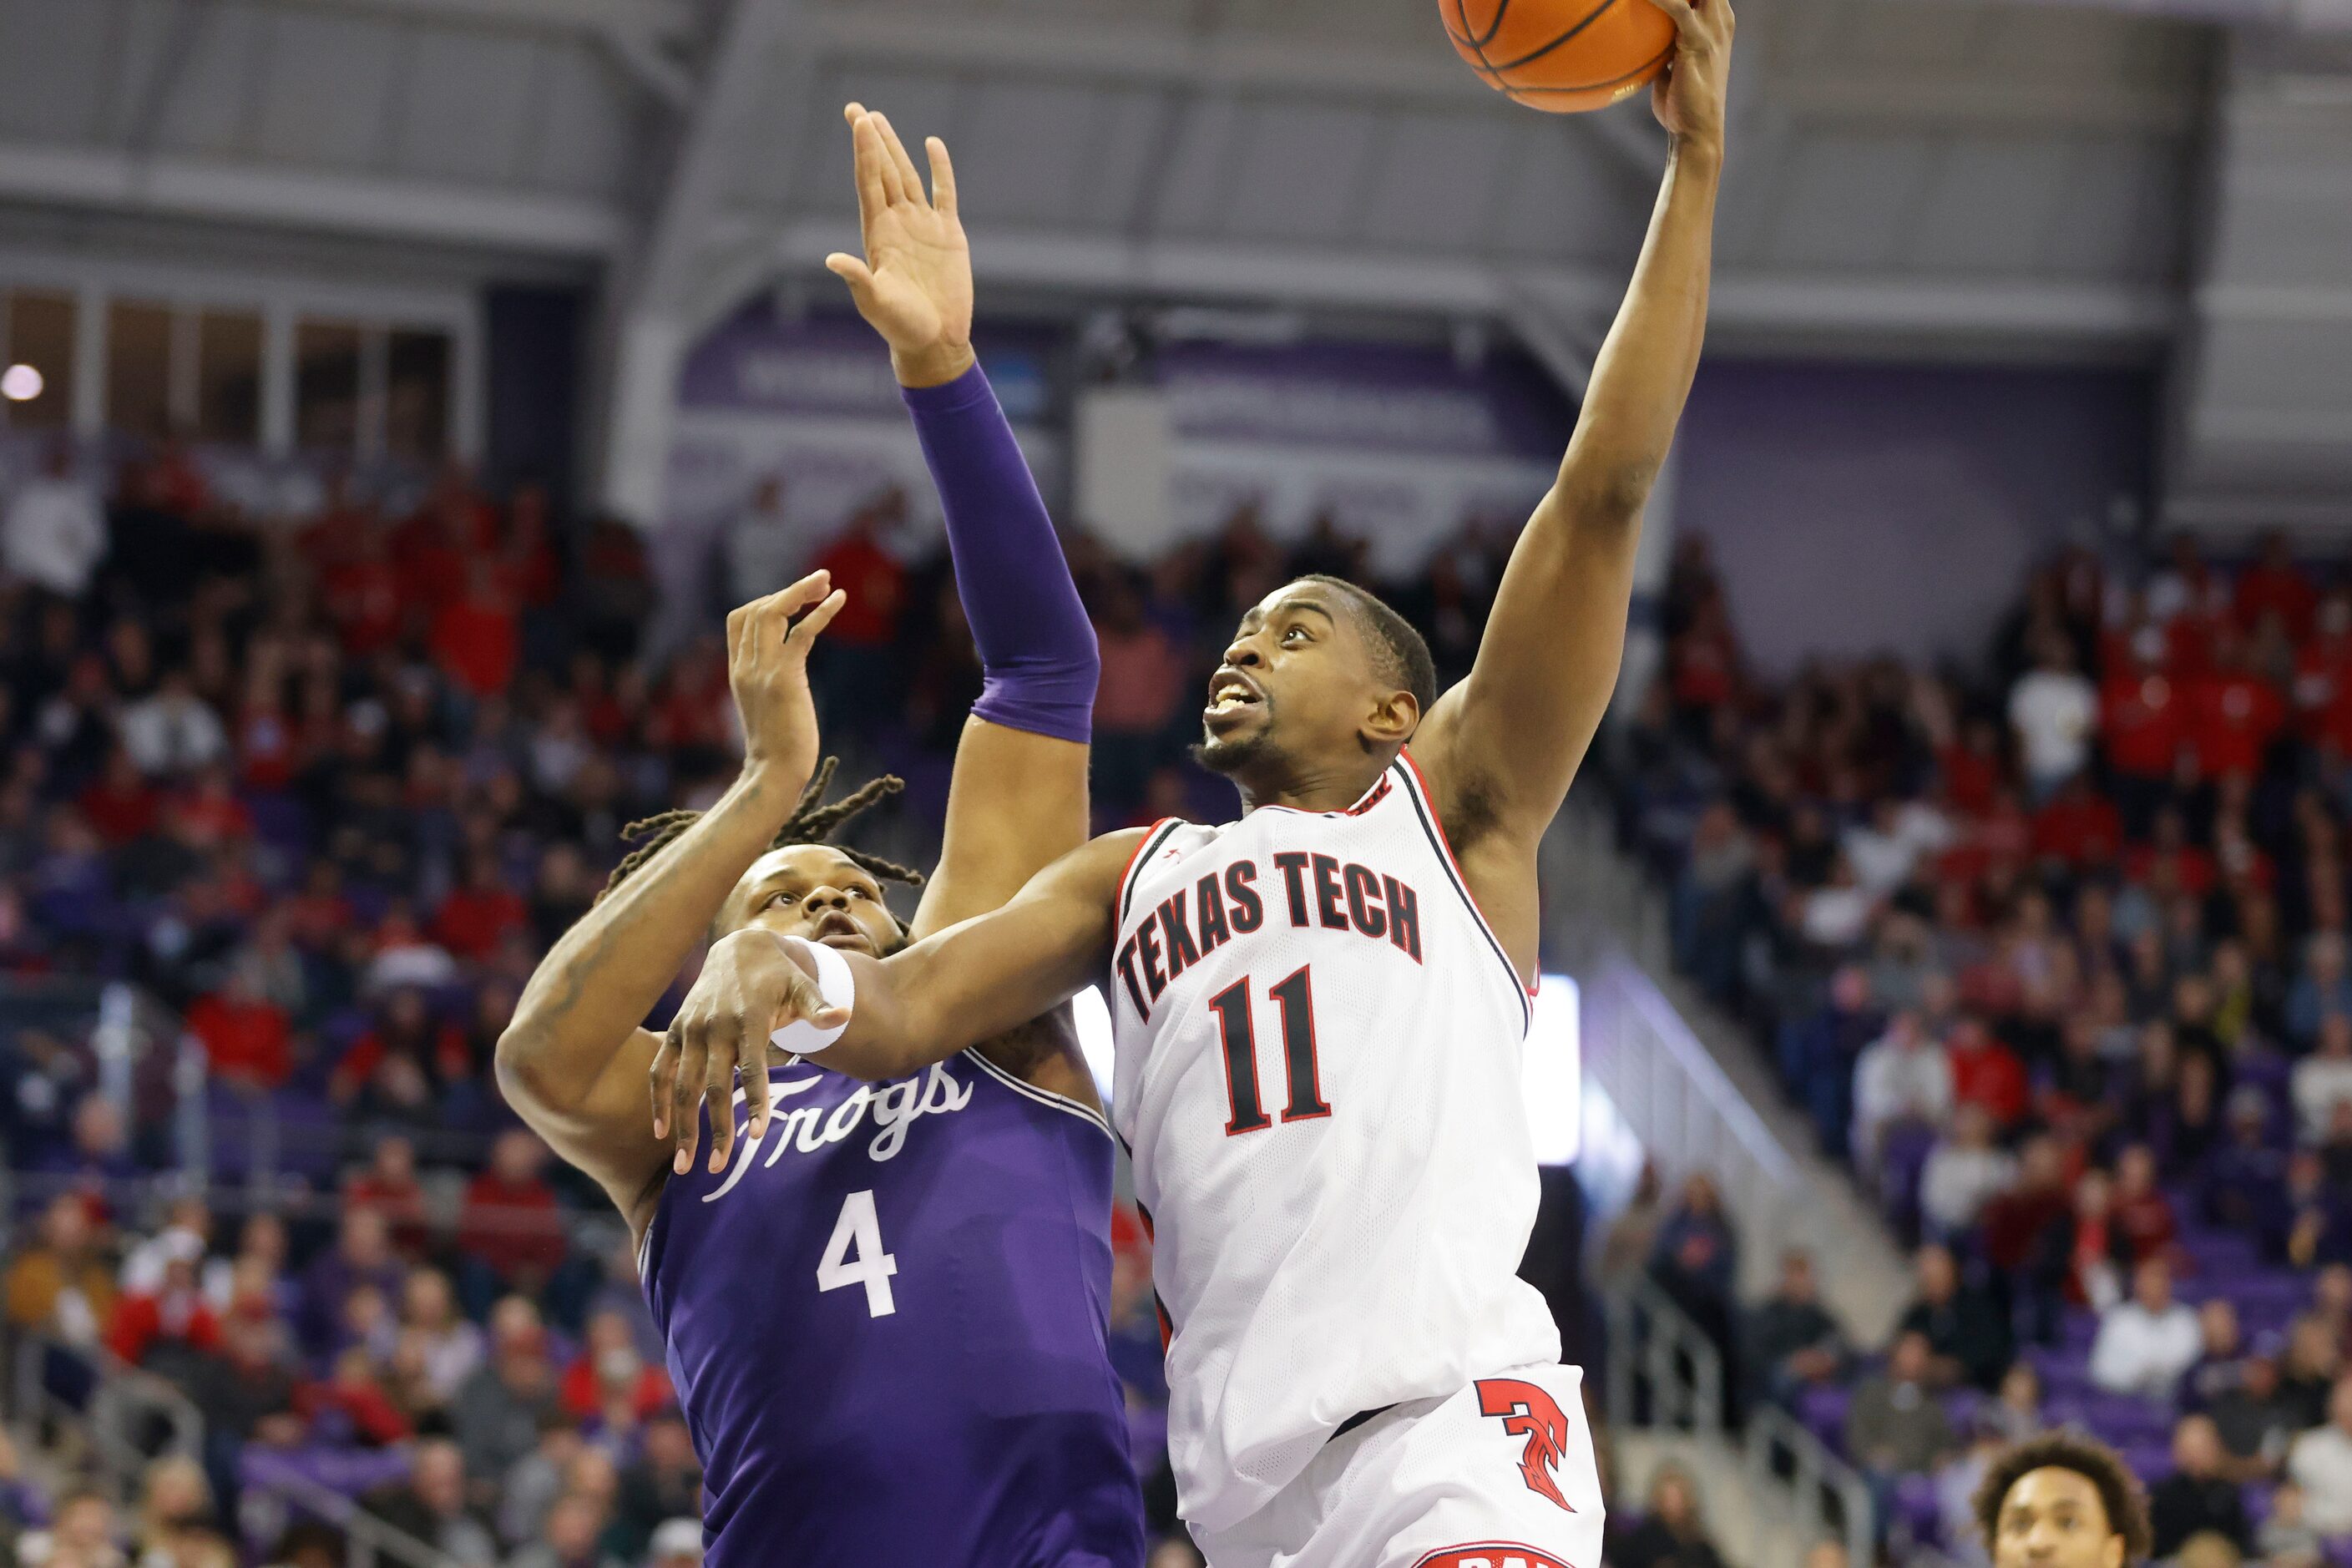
{"x": 1500, "y": 1475}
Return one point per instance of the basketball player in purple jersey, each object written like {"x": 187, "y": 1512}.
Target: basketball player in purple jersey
{"x": 960, "y": 1409}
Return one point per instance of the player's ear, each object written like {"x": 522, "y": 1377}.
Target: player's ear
{"x": 1392, "y": 721}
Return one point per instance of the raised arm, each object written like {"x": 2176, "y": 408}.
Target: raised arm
{"x": 968, "y": 983}
{"x": 1501, "y": 748}
{"x": 1018, "y": 800}
{"x": 572, "y": 1061}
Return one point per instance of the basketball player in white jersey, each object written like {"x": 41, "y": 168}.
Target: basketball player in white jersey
{"x": 1320, "y": 1009}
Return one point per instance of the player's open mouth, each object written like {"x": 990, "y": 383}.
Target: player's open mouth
{"x": 1231, "y": 692}
{"x": 837, "y": 930}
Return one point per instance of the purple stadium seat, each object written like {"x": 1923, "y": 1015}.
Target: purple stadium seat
{"x": 1916, "y": 1512}
{"x": 350, "y": 1471}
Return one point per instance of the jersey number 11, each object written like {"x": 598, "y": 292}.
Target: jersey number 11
{"x": 1237, "y": 1030}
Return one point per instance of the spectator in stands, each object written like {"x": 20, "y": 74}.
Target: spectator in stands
{"x": 388, "y": 1185}
{"x": 172, "y": 731}
{"x": 2142, "y": 1214}
{"x": 2254, "y": 1422}
{"x": 81, "y": 1534}
{"x": 167, "y": 1327}
{"x": 55, "y": 533}
{"x": 451, "y": 1346}
{"x": 1968, "y": 1337}
{"x": 2221, "y": 1355}
{"x": 498, "y": 1411}
{"x": 854, "y": 673}
{"x": 1672, "y": 1534}
{"x": 1986, "y": 1073}
{"x": 2286, "y": 1539}
{"x": 508, "y": 1230}
{"x": 361, "y": 1258}
{"x": 1965, "y": 1171}
{"x": 59, "y": 1286}
{"x": 1895, "y": 1425}
{"x": 1791, "y": 1342}
{"x": 1696, "y": 1261}
{"x": 2054, "y": 712}
{"x": 2323, "y": 1080}
{"x": 2198, "y": 1496}
{"x": 2028, "y": 1235}
{"x": 569, "y": 1539}
{"x": 2145, "y": 1343}
{"x": 98, "y": 1160}
{"x": 481, "y": 912}
{"x": 678, "y": 1544}
{"x": 1901, "y": 1078}
{"x": 2322, "y": 991}
{"x": 2245, "y": 1180}
{"x": 247, "y": 1392}
{"x": 2016, "y": 1410}
{"x": 2321, "y": 1464}
{"x": 2307, "y": 1373}
{"x": 665, "y": 1481}
{"x": 247, "y": 1039}
{"x": 433, "y": 1506}
{"x": 609, "y": 1371}
{"x": 174, "y": 1504}
{"x": 2098, "y": 1253}
{"x": 536, "y": 1480}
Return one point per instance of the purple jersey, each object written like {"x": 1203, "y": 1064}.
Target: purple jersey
{"x": 886, "y": 1325}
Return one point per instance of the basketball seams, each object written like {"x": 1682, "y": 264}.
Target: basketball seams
{"x": 1590, "y": 17}
{"x": 1635, "y": 74}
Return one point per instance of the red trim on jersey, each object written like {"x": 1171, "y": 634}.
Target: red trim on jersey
{"x": 1452, "y": 1556}
{"x": 1438, "y": 821}
{"x": 1120, "y": 907}
{"x": 1372, "y": 797}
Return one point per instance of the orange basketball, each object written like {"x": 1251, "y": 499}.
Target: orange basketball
{"x": 1562, "y": 56}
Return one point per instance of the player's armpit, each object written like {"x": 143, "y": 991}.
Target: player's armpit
{"x": 1018, "y": 802}
{"x": 605, "y": 1131}
{"x": 988, "y": 976}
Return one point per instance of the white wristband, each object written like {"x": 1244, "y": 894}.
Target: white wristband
{"x": 835, "y": 982}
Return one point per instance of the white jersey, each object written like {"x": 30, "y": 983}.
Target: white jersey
{"x": 1318, "y": 1075}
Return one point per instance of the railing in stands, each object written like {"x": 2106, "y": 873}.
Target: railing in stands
{"x": 1664, "y": 1373}
{"x": 122, "y": 1401}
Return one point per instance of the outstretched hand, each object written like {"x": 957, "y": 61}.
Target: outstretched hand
{"x": 767, "y": 670}
{"x": 1689, "y": 97}
{"x": 914, "y": 283}
{"x": 747, "y": 990}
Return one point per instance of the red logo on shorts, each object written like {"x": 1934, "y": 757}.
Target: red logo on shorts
{"x": 1529, "y": 1412}
{"x": 1492, "y": 1554}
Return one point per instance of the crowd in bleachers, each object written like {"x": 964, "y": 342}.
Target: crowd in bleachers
{"x": 2052, "y": 948}
{"x": 315, "y": 794}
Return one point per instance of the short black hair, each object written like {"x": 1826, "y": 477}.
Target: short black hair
{"x": 2120, "y": 1492}
{"x": 1403, "y": 652}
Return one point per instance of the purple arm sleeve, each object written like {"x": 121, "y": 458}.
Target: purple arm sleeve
{"x": 1036, "y": 647}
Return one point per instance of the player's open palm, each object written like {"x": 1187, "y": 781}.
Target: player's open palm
{"x": 767, "y": 668}
{"x": 914, "y": 283}
{"x": 1689, "y": 98}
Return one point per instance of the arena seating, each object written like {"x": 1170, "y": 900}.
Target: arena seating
{"x": 2091, "y": 893}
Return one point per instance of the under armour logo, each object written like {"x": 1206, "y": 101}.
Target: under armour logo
{"x": 1526, "y": 1410}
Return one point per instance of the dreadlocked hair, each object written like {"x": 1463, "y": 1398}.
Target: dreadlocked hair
{"x": 813, "y": 821}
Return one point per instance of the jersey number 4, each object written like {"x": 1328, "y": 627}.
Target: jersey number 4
{"x": 858, "y": 1230}
{"x": 1295, "y": 997}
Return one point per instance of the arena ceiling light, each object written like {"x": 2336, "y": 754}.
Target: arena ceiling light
{"x": 21, "y": 384}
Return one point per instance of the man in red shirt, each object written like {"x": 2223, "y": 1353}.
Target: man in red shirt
{"x": 1987, "y": 1073}
{"x": 479, "y": 912}
{"x": 510, "y": 1224}
{"x": 172, "y": 1314}
{"x": 2233, "y": 714}
{"x": 119, "y": 803}
{"x": 364, "y": 594}
{"x": 246, "y": 1038}
{"x": 2079, "y": 828}
{"x": 2274, "y": 583}
{"x": 853, "y": 666}
{"x": 2140, "y": 724}
{"x": 475, "y": 639}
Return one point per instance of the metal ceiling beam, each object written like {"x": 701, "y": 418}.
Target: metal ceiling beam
{"x": 1829, "y": 305}
{"x": 642, "y": 19}
{"x": 320, "y": 202}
